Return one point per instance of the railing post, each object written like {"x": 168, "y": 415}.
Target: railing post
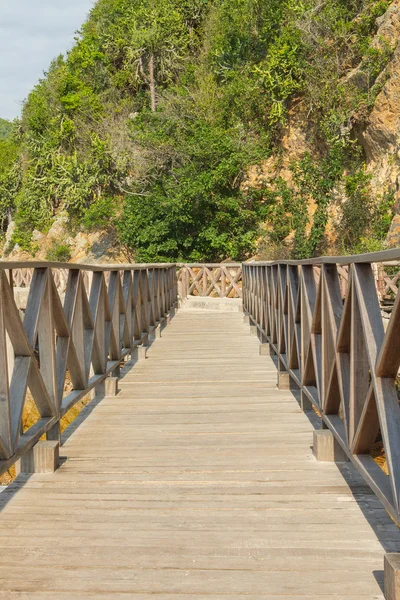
{"x": 223, "y": 281}
{"x": 265, "y": 349}
{"x": 204, "y": 281}
{"x": 379, "y": 273}
{"x": 180, "y": 276}
{"x": 283, "y": 376}
{"x": 392, "y": 576}
{"x": 326, "y": 448}
{"x": 43, "y": 457}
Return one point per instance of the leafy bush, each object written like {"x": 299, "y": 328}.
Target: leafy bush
{"x": 196, "y": 208}
{"x": 59, "y": 252}
{"x": 101, "y": 214}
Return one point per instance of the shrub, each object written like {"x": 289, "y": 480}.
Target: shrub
{"x": 59, "y": 252}
{"x": 100, "y": 214}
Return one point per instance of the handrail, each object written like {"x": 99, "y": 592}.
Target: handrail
{"x": 81, "y": 332}
{"x": 383, "y": 256}
{"x": 37, "y": 264}
{"x": 331, "y": 343}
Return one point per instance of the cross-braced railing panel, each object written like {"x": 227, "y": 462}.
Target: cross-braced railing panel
{"x": 212, "y": 280}
{"x": 331, "y": 340}
{"x": 81, "y": 334}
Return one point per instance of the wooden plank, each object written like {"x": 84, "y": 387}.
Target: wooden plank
{"x": 32, "y": 311}
{"x": 47, "y": 343}
{"x": 359, "y": 368}
{"x": 18, "y": 387}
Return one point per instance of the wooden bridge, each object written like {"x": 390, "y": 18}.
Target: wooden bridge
{"x": 222, "y": 455}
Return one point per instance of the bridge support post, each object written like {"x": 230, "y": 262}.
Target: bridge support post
{"x": 265, "y": 349}
{"x": 392, "y": 576}
{"x": 283, "y": 377}
{"x": 139, "y": 353}
{"x": 43, "y": 457}
{"x": 326, "y": 448}
{"x": 142, "y": 352}
{"x": 156, "y": 333}
{"x": 253, "y": 330}
{"x": 108, "y": 387}
{"x": 246, "y": 319}
{"x": 111, "y": 386}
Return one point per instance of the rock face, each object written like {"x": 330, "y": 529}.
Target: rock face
{"x": 381, "y": 136}
{"x": 294, "y": 144}
{"x": 378, "y": 133}
{"x": 96, "y": 247}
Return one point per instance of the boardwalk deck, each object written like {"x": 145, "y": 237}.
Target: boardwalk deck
{"x": 197, "y": 481}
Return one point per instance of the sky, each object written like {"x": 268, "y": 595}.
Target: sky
{"x": 32, "y": 33}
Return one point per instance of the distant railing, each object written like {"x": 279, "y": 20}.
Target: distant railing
{"x": 218, "y": 280}
{"x": 322, "y": 319}
{"x": 76, "y": 333}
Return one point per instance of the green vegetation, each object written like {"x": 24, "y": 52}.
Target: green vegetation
{"x": 148, "y": 126}
{"x": 59, "y": 252}
{"x": 9, "y": 172}
{"x": 5, "y": 129}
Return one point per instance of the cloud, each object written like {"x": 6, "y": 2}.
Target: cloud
{"x": 32, "y": 33}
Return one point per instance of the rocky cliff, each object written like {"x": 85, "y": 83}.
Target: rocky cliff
{"x": 375, "y": 126}
{"x": 380, "y": 134}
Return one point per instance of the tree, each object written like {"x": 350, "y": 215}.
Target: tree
{"x": 146, "y": 42}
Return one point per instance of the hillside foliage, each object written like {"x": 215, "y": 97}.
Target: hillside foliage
{"x": 149, "y": 124}
{"x": 5, "y": 129}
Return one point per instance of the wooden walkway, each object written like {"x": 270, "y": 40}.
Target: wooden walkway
{"x": 197, "y": 481}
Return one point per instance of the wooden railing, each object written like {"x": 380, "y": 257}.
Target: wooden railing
{"x": 21, "y": 277}
{"x": 68, "y": 341}
{"x": 387, "y": 278}
{"x": 218, "y": 280}
{"x": 331, "y": 344}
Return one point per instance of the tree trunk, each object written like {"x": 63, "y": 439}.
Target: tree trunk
{"x": 152, "y": 84}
